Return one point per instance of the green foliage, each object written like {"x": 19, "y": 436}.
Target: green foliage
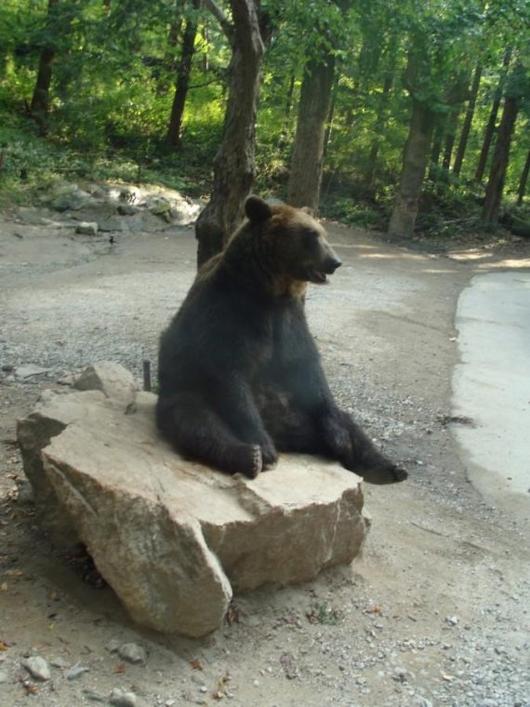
{"x": 114, "y": 76}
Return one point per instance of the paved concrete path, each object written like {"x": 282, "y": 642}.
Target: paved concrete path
{"x": 492, "y": 384}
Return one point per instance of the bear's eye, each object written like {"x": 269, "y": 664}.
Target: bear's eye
{"x": 310, "y": 237}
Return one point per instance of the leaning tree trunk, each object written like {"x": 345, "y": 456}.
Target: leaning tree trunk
{"x": 468, "y": 120}
{"x": 500, "y": 159}
{"x": 40, "y": 102}
{"x": 305, "y": 178}
{"x": 415, "y": 160}
{"x": 234, "y": 164}
{"x": 490, "y": 127}
{"x": 183, "y": 79}
{"x": 524, "y": 180}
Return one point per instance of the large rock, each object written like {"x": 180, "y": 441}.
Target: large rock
{"x": 174, "y": 538}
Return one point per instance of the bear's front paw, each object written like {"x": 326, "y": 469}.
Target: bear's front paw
{"x": 269, "y": 453}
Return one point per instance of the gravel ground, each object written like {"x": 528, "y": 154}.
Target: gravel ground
{"x": 435, "y": 612}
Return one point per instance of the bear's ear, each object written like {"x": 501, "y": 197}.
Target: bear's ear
{"x": 257, "y": 210}
{"x": 308, "y": 210}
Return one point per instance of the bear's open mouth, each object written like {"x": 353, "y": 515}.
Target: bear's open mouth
{"x": 318, "y": 277}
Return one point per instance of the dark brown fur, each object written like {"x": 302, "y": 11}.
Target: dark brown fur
{"x": 240, "y": 375}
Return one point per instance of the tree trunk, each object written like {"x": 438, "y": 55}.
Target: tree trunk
{"x": 436, "y": 150}
{"x": 379, "y": 128}
{"x": 468, "y": 120}
{"x": 305, "y": 178}
{"x": 234, "y": 164}
{"x": 523, "y": 181}
{"x": 183, "y": 79}
{"x": 40, "y": 102}
{"x": 500, "y": 159}
{"x": 490, "y": 126}
{"x": 450, "y": 136}
{"x": 331, "y": 115}
{"x": 415, "y": 160}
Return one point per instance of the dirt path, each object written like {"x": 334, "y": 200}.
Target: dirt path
{"x": 436, "y": 612}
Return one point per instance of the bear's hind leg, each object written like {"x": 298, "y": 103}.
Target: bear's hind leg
{"x": 356, "y": 451}
{"x": 198, "y": 433}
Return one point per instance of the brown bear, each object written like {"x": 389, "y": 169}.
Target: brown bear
{"x": 239, "y": 372}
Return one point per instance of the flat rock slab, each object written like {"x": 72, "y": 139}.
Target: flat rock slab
{"x": 173, "y": 538}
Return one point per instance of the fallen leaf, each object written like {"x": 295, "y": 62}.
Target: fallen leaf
{"x": 196, "y": 664}
{"x": 119, "y": 668}
{"x": 3, "y": 646}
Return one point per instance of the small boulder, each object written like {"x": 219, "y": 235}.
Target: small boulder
{"x": 87, "y": 228}
{"x": 128, "y": 209}
{"x": 69, "y": 197}
{"x": 113, "y": 380}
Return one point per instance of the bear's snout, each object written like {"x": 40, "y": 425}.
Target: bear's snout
{"x": 331, "y": 264}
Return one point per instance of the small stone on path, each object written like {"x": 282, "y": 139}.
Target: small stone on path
{"x": 87, "y": 228}
{"x": 76, "y": 671}
{"x": 120, "y": 698}
{"x": 37, "y": 667}
{"x": 132, "y": 652}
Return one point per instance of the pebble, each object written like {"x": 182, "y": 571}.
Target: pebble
{"x": 76, "y": 671}
{"x": 113, "y": 645}
{"x": 451, "y": 620}
{"x": 422, "y": 702}
{"x": 37, "y": 667}
{"x": 93, "y": 696}
{"x": 120, "y": 698}
{"x": 87, "y": 228}
{"x": 29, "y": 370}
{"x": 132, "y": 652}
{"x": 3, "y": 676}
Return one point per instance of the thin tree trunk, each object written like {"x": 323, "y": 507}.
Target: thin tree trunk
{"x": 523, "y": 181}
{"x": 468, "y": 120}
{"x": 234, "y": 164}
{"x": 490, "y": 127}
{"x": 436, "y": 150}
{"x": 331, "y": 115}
{"x": 40, "y": 102}
{"x": 305, "y": 178}
{"x": 183, "y": 79}
{"x": 450, "y": 136}
{"x": 415, "y": 160}
{"x": 289, "y": 97}
{"x": 500, "y": 159}
{"x": 379, "y": 127}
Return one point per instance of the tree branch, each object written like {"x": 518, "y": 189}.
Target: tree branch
{"x": 220, "y": 16}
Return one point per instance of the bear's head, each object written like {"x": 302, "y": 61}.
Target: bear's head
{"x": 292, "y": 241}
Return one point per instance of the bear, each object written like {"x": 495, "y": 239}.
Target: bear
{"x": 240, "y": 377}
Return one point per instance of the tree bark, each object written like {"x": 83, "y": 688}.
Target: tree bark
{"x": 490, "y": 126}
{"x": 523, "y": 181}
{"x": 40, "y": 102}
{"x": 450, "y": 136}
{"x": 436, "y": 149}
{"x": 303, "y": 188}
{"x": 500, "y": 159}
{"x": 468, "y": 120}
{"x": 415, "y": 160}
{"x": 183, "y": 79}
{"x": 379, "y": 127}
{"x": 234, "y": 164}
